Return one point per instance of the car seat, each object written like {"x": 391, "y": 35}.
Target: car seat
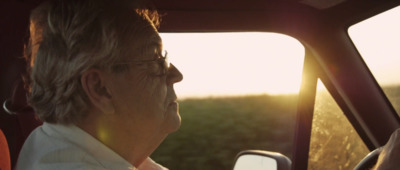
{"x": 5, "y": 163}
{"x": 18, "y": 124}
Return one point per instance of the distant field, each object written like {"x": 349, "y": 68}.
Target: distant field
{"x": 214, "y": 130}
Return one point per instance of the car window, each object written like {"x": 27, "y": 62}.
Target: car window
{"x": 239, "y": 92}
{"x": 378, "y": 41}
{"x": 334, "y": 142}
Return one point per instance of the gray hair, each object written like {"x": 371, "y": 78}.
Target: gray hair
{"x": 69, "y": 37}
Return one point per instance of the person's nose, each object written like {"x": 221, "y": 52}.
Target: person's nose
{"x": 173, "y": 75}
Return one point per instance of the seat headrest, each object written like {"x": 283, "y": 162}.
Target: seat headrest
{"x": 18, "y": 101}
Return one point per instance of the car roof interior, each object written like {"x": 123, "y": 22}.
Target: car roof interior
{"x": 309, "y": 21}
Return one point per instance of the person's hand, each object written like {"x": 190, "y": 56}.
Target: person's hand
{"x": 389, "y": 159}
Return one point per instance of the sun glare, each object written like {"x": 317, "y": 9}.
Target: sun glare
{"x": 226, "y": 64}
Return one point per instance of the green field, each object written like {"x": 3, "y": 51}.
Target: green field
{"x": 214, "y": 130}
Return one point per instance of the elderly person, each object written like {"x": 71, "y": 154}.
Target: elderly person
{"x": 101, "y": 83}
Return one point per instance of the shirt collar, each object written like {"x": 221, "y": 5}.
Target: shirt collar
{"x": 104, "y": 155}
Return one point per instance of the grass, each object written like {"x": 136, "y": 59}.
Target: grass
{"x": 334, "y": 143}
{"x": 214, "y": 130}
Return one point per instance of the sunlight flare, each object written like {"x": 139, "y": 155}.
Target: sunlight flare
{"x": 226, "y": 64}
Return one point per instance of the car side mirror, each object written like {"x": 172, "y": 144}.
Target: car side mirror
{"x": 261, "y": 160}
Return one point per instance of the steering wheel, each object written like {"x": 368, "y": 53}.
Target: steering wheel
{"x": 369, "y": 161}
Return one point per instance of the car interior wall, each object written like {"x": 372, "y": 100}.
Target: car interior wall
{"x": 14, "y": 16}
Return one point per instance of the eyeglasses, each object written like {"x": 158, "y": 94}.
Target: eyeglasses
{"x": 157, "y": 67}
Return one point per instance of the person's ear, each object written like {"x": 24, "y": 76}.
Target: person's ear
{"x": 94, "y": 85}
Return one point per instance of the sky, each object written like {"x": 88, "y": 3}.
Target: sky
{"x": 378, "y": 41}
{"x": 226, "y": 64}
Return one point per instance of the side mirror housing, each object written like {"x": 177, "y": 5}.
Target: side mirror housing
{"x": 261, "y": 160}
